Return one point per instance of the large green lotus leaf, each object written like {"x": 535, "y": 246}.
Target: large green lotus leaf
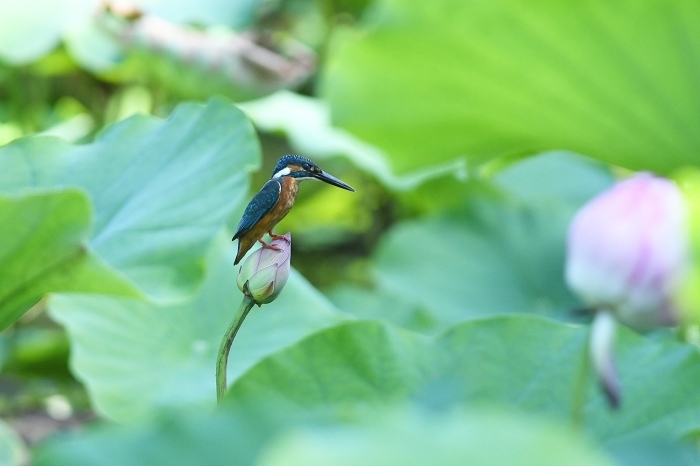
{"x": 429, "y": 81}
{"x": 368, "y": 362}
{"x": 161, "y": 189}
{"x": 346, "y": 365}
{"x": 136, "y": 357}
{"x": 523, "y": 363}
{"x": 32, "y": 28}
{"x": 495, "y": 257}
{"x": 43, "y": 249}
{"x": 402, "y": 435}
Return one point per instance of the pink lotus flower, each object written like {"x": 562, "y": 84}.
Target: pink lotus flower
{"x": 265, "y": 272}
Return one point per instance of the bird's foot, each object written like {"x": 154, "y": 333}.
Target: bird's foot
{"x": 269, "y": 246}
{"x": 274, "y": 236}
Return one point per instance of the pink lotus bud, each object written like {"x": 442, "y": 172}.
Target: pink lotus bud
{"x": 627, "y": 253}
{"x": 628, "y": 250}
{"x": 265, "y": 272}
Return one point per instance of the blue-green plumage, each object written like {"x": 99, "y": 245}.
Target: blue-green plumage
{"x": 262, "y": 203}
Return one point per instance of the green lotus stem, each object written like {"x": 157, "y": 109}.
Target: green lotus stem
{"x": 222, "y": 359}
{"x": 580, "y": 385}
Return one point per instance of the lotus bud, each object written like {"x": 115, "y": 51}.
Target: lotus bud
{"x": 265, "y": 272}
{"x": 628, "y": 251}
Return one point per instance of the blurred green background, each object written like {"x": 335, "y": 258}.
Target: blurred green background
{"x": 427, "y": 320}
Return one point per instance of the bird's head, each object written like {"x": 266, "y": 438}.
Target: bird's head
{"x": 301, "y": 168}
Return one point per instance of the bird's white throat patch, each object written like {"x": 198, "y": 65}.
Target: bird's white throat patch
{"x": 283, "y": 172}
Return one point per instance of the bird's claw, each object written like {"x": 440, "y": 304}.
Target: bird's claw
{"x": 282, "y": 237}
{"x": 269, "y": 246}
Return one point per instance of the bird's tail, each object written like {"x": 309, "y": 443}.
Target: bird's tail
{"x": 239, "y": 254}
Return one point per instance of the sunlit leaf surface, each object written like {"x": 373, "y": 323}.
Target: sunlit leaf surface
{"x": 429, "y": 81}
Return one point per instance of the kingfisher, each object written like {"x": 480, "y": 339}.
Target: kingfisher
{"x": 275, "y": 199}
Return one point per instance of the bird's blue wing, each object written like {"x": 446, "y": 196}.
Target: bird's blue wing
{"x": 262, "y": 203}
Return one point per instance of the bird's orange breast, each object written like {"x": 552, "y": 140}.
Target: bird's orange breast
{"x": 290, "y": 188}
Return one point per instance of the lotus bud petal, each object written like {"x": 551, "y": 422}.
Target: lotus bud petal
{"x": 628, "y": 250}
{"x": 265, "y": 272}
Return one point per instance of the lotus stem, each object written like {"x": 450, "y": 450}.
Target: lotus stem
{"x": 222, "y": 359}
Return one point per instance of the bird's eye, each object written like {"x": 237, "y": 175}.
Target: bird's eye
{"x": 306, "y": 166}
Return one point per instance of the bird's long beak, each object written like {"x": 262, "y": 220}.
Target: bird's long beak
{"x": 330, "y": 179}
